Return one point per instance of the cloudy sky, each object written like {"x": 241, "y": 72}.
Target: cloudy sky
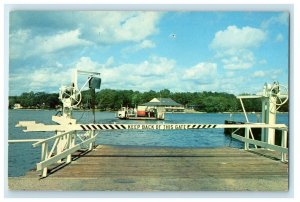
{"x": 234, "y": 52}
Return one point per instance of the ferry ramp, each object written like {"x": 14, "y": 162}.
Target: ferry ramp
{"x": 132, "y": 168}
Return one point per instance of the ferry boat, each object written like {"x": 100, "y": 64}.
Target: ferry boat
{"x": 141, "y": 113}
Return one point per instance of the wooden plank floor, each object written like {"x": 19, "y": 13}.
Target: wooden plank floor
{"x": 116, "y": 168}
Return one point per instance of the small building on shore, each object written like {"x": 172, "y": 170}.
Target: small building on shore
{"x": 17, "y": 106}
{"x": 167, "y": 103}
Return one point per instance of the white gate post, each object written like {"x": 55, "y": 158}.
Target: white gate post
{"x": 59, "y": 146}
{"x": 246, "y": 145}
{"x": 271, "y": 119}
{"x": 44, "y": 157}
{"x": 283, "y": 144}
{"x": 69, "y": 145}
{"x": 264, "y": 118}
{"x": 91, "y": 134}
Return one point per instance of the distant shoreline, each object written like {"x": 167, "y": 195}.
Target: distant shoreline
{"x": 188, "y": 112}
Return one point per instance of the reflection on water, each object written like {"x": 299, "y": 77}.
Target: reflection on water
{"x": 23, "y": 157}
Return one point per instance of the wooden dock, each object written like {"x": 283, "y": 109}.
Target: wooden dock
{"x": 126, "y": 168}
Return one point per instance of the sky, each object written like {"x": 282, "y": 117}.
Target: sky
{"x": 233, "y": 52}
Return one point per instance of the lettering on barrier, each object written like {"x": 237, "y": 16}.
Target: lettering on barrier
{"x": 157, "y": 127}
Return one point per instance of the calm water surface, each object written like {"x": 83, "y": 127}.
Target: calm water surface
{"x": 22, "y": 156}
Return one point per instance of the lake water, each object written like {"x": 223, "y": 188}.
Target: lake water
{"x": 22, "y": 156}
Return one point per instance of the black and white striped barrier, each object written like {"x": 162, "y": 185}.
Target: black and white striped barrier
{"x": 32, "y": 126}
{"x": 86, "y": 127}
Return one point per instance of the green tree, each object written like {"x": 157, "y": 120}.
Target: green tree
{"x": 106, "y": 99}
{"x": 147, "y": 96}
{"x": 27, "y": 99}
{"x": 52, "y": 100}
{"x": 165, "y": 93}
{"x": 109, "y": 99}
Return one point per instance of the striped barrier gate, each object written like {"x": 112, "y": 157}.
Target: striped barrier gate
{"x": 32, "y": 126}
{"x": 87, "y": 127}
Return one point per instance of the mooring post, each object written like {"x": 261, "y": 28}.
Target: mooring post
{"x": 283, "y": 144}
{"x": 246, "y": 145}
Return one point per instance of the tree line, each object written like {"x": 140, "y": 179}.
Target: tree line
{"x": 112, "y": 100}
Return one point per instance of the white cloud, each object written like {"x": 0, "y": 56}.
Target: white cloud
{"x": 230, "y": 84}
{"x": 116, "y": 27}
{"x": 59, "y": 41}
{"x": 146, "y": 75}
{"x": 158, "y": 67}
{"x": 263, "y": 62}
{"x": 281, "y": 19}
{"x": 24, "y": 44}
{"x": 269, "y": 74}
{"x": 48, "y": 77}
{"x": 155, "y": 73}
{"x": 51, "y": 77}
{"x": 110, "y": 61}
{"x": 39, "y": 80}
{"x": 58, "y": 64}
{"x": 145, "y": 44}
{"x": 230, "y": 74}
{"x": 279, "y": 38}
{"x": 275, "y": 73}
{"x": 259, "y": 73}
{"x": 86, "y": 64}
{"x": 82, "y": 29}
{"x": 202, "y": 73}
{"x": 17, "y": 43}
{"x": 240, "y": 59}
{"x": 233, "y": 46}
{"x": 236, "y": 38}
{"x": 95, "y": 26}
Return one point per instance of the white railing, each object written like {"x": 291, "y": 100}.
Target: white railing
{"x": 64, "y": 145}
{"x": 247, "y": 141}
{"x": 24, "y": 140}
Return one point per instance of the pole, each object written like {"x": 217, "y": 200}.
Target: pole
{"x": 264, "y": 118}
{"x": 283, "y": 144}
{"x": 246, "y": 144}
{"x": 271, "y": 119}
